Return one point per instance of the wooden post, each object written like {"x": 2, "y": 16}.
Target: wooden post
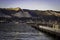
{"x": 56, "y": 26}
{"x": 53, "y": 26}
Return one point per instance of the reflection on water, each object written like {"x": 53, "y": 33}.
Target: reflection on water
{"x": 11, "y": 31}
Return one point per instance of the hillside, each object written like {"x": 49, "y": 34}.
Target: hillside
{"x": 13, "y": 14}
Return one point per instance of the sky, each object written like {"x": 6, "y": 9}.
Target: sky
{"x": 31, "y": 4}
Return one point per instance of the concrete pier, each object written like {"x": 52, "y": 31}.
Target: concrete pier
{"x": 49, "y": 30}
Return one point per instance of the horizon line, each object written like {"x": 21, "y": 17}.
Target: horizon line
{"x": 30, "y": 9}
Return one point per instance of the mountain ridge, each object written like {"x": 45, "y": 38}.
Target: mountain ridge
{"x": 26, "y": 13}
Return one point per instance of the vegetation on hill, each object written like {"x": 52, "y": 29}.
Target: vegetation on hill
{"x": 14, "y": 9}
{"x": 20, "y": 14}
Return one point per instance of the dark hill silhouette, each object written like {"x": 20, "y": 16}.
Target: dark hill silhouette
{"x": 17, "y": 13}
